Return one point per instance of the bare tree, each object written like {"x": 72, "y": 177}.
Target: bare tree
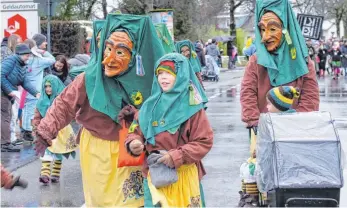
{"x": 336, "y": 9}
{"x": 76, "y": 9}
{"x": 305, "y": 6}
{"x": 104, "y": 8}
{"x": 330, "y": 9}
{"x": 233, "y": 5}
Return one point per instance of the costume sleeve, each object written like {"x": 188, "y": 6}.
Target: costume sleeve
{"x": 198, "y": 75}
{"x": 37, "y": 119}
{"x": 309, "y": 97}
{"x": 6, "y": 178}
{"x": 63, "y": 109}
{"x": 200, "y": 140}
{"x": 249, "y": 94}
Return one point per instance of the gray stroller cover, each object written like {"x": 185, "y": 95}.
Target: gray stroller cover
{"x": 211, "y": 66}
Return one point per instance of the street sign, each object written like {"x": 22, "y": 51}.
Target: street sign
{"x": 16, "y": 17}
{"x": 311, "y": 25}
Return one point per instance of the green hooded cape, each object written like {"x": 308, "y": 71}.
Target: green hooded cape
{"x": 283, "y": 66}
{"x": 109, "y": 95}
{"x": 166, "y": 111}
{"x": 46, "y": 101}
{"x": 97, "y": 26}
{"x": 165, "y": 37}
{"x": 194, "y": 60}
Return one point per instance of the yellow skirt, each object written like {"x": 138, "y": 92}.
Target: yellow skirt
{"x": 184, "y": 193}
{"x": 104, "y": 184}
{"x": 65, "y": 141}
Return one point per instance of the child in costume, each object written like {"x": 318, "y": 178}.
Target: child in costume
{"x": 173, "y": 121}
{"x": 187, "y": 49}
{"x": 64, "y": 144}
{"x": 279, "y": 99}
{"x": 122, "y": 76}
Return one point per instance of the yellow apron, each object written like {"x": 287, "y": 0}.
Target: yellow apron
{"x": 104, "y": 184}
{"x": 65, "y": 141}
{"x": 184, "y": 193}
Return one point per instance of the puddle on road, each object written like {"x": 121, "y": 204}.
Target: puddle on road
{"x": 10, "y": 159}
{"x": 333, "y": 88}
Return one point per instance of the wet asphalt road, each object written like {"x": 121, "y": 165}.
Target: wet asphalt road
{"x": 221, "y": 184}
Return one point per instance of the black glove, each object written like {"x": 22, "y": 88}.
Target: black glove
{"x": 127, "y": 114}
{"x": 255, "y": 129}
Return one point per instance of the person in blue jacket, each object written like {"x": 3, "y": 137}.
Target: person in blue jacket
{"x": 13, "y": 74}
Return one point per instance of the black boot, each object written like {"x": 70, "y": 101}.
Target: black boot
{"x": 9, "y": 148}
{"x": 247, "y": 200}
{"x": 27, "y": 136}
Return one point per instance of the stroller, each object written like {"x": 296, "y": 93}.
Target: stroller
{"x": 211, "y": 70}
{"x": 299, "y": 162}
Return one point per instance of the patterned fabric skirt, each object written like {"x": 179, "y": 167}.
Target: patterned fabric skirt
{"x": 104, "y": 184}
{"x": 184, "y": 193}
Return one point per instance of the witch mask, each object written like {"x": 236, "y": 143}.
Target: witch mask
{"x": 270, "y": 27}
{"x": 117, "y": 54}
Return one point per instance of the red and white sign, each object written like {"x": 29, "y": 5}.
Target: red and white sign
{"x": 19, "y": 18}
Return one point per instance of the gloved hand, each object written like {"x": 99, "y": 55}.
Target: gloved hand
{"x": 127, "y": 114}
{"x": 40, "y": 145}
{"x": 255, "y": 129}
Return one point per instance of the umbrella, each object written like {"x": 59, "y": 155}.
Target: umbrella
{"x": 224, "y": 38}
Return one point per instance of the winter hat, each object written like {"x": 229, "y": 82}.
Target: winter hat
{"x": 283, "y": 97}
{"x": 39, "y": 39}
{"x": 22, "y": 49}
{"x": 168, "y": 66}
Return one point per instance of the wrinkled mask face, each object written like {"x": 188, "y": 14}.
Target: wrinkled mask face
{"x": 270, "y": 27}
{"x": 117, "y": 54}
{"x": 185, "y": 51}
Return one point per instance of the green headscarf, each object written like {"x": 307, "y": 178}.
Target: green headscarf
{"x": 97, "y": 26}
{"x": 166, "y": 111}
{"x": 165, "y": 37}
{"x": 46, "y": 101}
{"x": 194, "y": 60}
{"x": 282, "y": 66}
{"x": 109, "y": 95}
